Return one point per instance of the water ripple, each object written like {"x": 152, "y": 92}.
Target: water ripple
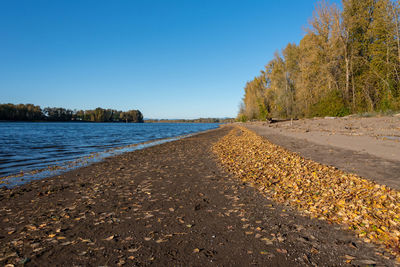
{"x": 28, "y": 147}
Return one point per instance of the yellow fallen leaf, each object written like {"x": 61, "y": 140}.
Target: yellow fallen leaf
{"x": 111, "y": 237}
{"x": 322, "y": 192}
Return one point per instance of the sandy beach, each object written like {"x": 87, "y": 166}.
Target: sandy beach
{"x": 170, "y": 204}
{"x": 369, "y": 147}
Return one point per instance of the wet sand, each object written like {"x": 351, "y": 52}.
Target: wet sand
{"x": 165, "y": 205}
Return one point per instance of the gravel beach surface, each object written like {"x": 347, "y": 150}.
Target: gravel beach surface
{"x": 170, "y": 204}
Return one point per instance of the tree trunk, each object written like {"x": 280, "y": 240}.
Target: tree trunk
{"x": 347, "y": 61}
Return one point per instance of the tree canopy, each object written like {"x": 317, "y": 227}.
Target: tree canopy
{"x": 347, "y": 62}
{"x": 30, "y": 112}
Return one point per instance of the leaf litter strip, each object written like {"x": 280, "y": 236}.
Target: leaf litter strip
{"x": 324, "y": 192}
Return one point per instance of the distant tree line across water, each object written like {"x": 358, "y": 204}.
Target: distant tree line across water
{"x": 347, "y": 62}
{"x": 30, "y": 112}
{"x": 200, "y": 120}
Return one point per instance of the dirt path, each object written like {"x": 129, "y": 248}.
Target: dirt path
{"x": 166, "y": 205}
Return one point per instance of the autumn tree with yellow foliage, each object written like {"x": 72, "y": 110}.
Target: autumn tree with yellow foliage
{"x": 347, "y": 62}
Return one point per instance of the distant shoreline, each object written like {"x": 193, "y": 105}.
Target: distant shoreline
{"x": 200, "y": 120}
{"x": 74, "y": 121}
{"x": 77, "y": 121}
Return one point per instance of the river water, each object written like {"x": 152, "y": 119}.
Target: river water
{"x": 34, "y": 150}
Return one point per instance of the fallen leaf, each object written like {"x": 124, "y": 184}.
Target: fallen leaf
{"x": 280, "y": 239}
{"x": 109, "y": 238}
{"x": 323, "y": 192}
{"x": 267, "y": 241}
{"x": 282, "y": 250}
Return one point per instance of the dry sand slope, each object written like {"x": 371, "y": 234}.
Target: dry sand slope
{"x": 369, "y": 147}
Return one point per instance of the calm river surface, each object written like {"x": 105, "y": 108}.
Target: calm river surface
{"x": 30, "y": 146}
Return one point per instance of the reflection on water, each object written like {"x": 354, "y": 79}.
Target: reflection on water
{"x": 27, "y": 147}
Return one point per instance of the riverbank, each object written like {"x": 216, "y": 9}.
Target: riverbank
{"x": 169, "y": 204}
{"x": 31, "y": 151}
{"x": 371, "y": 210}
{"x": 369, "y": 147}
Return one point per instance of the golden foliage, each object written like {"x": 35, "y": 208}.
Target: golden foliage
{"x": 324, "y": 192}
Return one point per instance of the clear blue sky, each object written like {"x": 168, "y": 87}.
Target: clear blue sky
{"x": 170, "y": 59}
